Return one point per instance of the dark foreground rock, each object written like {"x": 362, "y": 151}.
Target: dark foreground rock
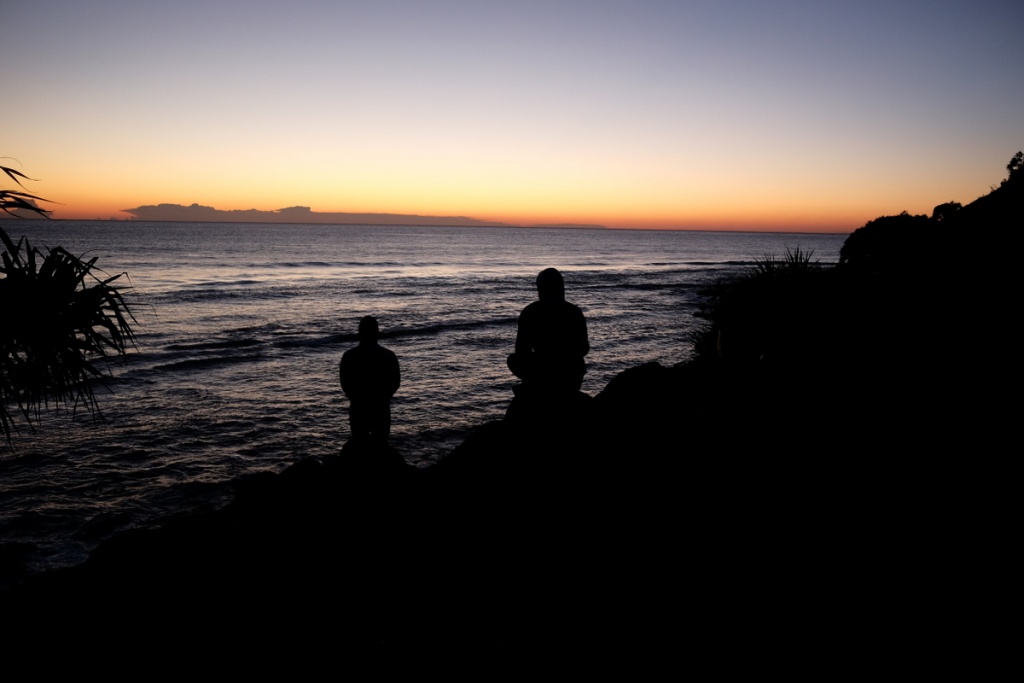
{"x": 670, "y": 515}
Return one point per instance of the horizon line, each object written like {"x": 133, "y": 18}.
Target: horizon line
{"x": 482, "y": 224}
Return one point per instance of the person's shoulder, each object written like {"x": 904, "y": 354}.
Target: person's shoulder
{"x": 573, "y": 307}
{"x": 532, "y": 308}
{"x": 384, "y": 351}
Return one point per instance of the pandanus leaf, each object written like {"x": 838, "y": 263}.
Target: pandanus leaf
{"x": 57, "y": 316}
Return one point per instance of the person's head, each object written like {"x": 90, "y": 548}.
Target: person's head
{"x": 368, "y": 329}
{"x": 550, "y": 285}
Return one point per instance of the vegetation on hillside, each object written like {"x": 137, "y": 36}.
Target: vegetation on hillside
{"x": 888, "y": 341}
{"x": 894, "y": 275}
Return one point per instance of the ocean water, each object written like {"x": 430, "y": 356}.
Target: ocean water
{"x": 241, "y": 326}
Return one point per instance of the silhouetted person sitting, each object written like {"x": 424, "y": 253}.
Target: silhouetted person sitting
{"x": 551, "y": 341}
{"x": 369, "y": 377}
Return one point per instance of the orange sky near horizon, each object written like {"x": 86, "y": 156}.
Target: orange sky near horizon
{"x": 668, "y": 201}
{"x": 654, "y": 114}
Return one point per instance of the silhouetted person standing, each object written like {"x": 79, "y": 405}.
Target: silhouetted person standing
{"x": 369, "y": 377}
{"x": 551, "y": 341}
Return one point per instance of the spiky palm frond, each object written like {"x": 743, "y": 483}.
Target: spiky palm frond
{"x": 12, "y": 201}
{"x": 796, "y": 261}
{"x": 59, "y": 316}
{"x": 769, "y": 310}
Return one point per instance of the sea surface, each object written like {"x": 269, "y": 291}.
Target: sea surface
{"x": 240, "y": 328}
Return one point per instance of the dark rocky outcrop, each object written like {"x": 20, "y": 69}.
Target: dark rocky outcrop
{"x": 807, "y": 489}
{"x": 653, "y": 517}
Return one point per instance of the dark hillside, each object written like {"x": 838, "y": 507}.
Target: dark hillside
{"x": 812, "y": 490}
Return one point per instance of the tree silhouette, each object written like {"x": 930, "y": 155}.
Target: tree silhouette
{"x": 943, "y": 212}
{"x": 1014, "y": 167}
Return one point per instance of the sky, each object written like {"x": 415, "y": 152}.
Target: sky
{"x": 787, "y": 115}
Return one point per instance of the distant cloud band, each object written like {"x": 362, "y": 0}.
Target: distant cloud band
{"x": 293, "y": 214}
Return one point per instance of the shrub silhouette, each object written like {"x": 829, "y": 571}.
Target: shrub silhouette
{"x": 1015, "y": 169}
{"x": 780, "y": 311}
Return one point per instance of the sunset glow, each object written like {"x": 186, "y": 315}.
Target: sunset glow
{"x": 670, "y": 115}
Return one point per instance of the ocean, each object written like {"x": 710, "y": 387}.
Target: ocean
{"x": 240, "y": 328}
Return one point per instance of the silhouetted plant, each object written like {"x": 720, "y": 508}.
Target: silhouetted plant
{"x": 58, "y": 317}
{"x": 888, "y": 244}
{"x": 767, "y": 312}
{"x": 945, "y": 212}
{"x": 12, "y": 201}
{"x": 795, "y": 261}
{"x": 1015, "y": 168}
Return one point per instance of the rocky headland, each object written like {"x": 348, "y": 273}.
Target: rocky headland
{"x": 805, "y": 489}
